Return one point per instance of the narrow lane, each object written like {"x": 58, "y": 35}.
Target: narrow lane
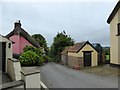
{"x": 58, "y": 76}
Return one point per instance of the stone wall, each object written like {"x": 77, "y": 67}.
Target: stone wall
{"x": 13, "y": 69}
{"x": 64, "y": 59}
{"x": 31, "y": 76}
{"x": 74, "y": 62}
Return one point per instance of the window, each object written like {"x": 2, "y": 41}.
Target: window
{"x": 118, "y": 28}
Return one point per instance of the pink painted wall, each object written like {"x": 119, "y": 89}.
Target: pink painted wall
{"x": 20, "y": 43}
{"x": 23, "y": 43}
{"x": 16, "y": 45}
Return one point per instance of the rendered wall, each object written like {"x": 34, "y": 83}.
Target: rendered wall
{"x": 8, "y": 50}
{"x": 16, "y": 45}
{"x": 13, "y": 69}
{"x": 31, "y": 76}
{"x": 114, "y": 40}
{"x": 20, "y": 43}
{"x": 23, "y": 43}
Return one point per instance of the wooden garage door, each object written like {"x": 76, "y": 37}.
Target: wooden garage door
{"x": 2, "y": 56}
{"x": 87, "y": 58}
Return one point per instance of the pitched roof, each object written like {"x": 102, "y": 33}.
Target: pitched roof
{"x": 78, "y": 46}
{"x": 65, "y": 51}
{"x": 115, "y": 10}
{"x": 22, "y": 32}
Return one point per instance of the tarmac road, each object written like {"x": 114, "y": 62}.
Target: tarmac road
{"x": 58, "y": 76}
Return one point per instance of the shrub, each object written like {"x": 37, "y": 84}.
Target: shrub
{"x": 30, "y": 58}
{"x": 38, "y": 51}
{"x": 27, "y": 48}
{"x": 33, "y": 56}
{"x": 47, "y": 59}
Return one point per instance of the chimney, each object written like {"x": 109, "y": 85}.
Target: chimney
{"x": 17, "y": 24}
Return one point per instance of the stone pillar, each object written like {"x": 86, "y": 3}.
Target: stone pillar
{"x": 13, "y": 69}
{"x": 31, "y": 76}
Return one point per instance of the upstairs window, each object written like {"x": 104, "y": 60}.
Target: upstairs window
{"x": 118, "y": 28}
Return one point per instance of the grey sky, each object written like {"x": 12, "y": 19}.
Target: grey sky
{"x": 81, "y": 20}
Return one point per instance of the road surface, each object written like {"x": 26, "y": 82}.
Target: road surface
{"x": 58, "y": 76}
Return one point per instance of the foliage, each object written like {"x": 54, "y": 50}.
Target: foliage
{"x": 106, "y": 50}
{"x": 46, "y": 59}
{"x": 38, "y": 51}
{"x": 36, "y": 54}
{"x": 61, "y": 40}
{"x": 41, "y": 40}
{"x": 30, "y": 58}
{"x": 98, "y": 47}
{"x": 27, "y": 48}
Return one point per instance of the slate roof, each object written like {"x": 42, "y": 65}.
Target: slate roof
{"x": 78, "y": 46}
{"x": 22, "y": 32}
{"x": 65, "y": 51}
{"x": 115, "y": 10}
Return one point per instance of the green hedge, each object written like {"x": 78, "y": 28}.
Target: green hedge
{"x": 30, "y": 58}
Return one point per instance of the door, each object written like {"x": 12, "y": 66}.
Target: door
{"x": 87, "y": 58}
{"x": 2, "y": 56}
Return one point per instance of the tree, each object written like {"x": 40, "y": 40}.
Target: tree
{"x": 61, "y": 40}
{"x": 41, "y": 40}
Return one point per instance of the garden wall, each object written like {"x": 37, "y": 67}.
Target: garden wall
{"x": 74, "y": 62}
{"x": 13, "y": 69}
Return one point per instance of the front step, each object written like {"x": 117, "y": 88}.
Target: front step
{"x": 14, "y": 84}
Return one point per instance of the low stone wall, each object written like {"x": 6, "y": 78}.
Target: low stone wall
{"x": 13, "y": 69}
{"x": 74, "y": 62}
{"x": 31, "y": 77}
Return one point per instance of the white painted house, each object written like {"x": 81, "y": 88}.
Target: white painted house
{"x": 114, "y": 21}
{"x": 5, "y": 52}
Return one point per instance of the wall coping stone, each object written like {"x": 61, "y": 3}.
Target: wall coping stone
{"x": 29, "y": 71}
{"x": 13, "y": 60}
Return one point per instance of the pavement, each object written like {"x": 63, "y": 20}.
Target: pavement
{"x": 58, "y": 76}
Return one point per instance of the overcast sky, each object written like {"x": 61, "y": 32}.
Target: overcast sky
{"x": 81, "y": 20}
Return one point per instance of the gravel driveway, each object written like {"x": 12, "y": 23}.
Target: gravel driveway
{"x": 58, "y": 76}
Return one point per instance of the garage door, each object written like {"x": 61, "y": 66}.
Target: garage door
{"x": 87, "y": 58}
{"x": 2, "y": 56}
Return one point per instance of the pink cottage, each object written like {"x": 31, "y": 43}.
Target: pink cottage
{"x": 20, "y": 38}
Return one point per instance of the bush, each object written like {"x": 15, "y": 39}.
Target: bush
{"x": 27, "y": 48}
{"x": 30, "y": 58}
{"x": 47, "y": 59}
{"x": 33, "y": 56}
{"x": 38, "y": 51}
